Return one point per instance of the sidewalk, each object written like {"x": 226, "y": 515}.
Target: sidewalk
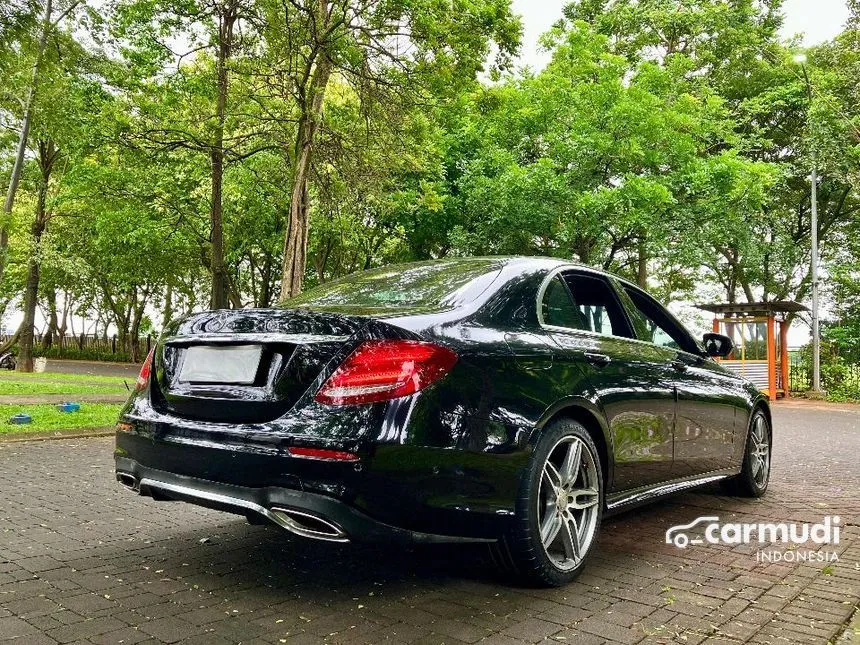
{"x": 809, "y": 404}
{"x": 93, "y": 368}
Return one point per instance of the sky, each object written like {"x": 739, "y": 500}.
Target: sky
{"x": 817, "y": 20}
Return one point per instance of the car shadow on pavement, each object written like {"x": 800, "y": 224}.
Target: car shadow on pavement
{"x": 234, "y": 554}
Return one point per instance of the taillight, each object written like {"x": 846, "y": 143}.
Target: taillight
{"x": 323, "y": 454}
{"x": 145, "y": 372}
{"x": 380, "y": 370}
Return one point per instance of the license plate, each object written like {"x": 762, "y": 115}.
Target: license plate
{"x": 231, "y": 364}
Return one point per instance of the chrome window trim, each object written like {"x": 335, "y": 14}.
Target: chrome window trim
{"x": 569, "y": 330}
{"x": 583, "y": 332}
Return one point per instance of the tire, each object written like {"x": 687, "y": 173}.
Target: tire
{"x": 564, "y": 500}
{"x": 755, "y": 470}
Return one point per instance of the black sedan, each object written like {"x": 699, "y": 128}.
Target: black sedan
{"x": 512, "y": 401}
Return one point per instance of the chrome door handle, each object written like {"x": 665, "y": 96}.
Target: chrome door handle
{"x": 598, "y": 360}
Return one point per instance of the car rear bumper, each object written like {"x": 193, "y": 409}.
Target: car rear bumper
{"x": 309, "y": 515}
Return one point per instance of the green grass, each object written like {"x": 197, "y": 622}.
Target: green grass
{"x": 35, "y": 388}
{"x": 47, "y": 418}
{"x": 60, "y": 376}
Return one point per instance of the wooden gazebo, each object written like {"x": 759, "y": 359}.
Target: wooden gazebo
{"x": 759, "y": 331}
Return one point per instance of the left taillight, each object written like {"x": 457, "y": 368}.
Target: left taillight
{"x": 380, "y": 370}
{"x": 145, "y": 373}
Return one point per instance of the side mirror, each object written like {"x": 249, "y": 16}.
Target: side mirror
{"x": 717, "y": 345}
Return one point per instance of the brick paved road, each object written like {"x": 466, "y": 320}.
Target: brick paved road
{"x": 83, "y": 560}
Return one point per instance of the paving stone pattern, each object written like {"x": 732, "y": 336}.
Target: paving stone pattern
{"x": 82, "y": 560}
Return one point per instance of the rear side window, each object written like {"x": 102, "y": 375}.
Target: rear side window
{"x": 597, "y": 304}
{"x": 557, "y": 307}
{"x": 585, "y": 303}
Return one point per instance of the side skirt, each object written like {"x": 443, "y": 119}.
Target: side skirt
{"x": 624, "y": 500}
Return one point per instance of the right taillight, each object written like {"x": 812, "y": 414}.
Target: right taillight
{"x": 145, "y": 373}
{"x": 379, "y": 370}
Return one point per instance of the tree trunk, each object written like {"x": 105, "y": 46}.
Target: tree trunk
{"x": 266, "y": 281}
{"x": 53, "y": 321}
{"x": 642, "y": 263}
{"x": 296, "y": 240}
{"x": 47, "y": 156}
{"x": 23, "y": 136}
{"x": 168, "y": 307}
{"x": 6, "y": 346}
{"x": 226, "y": 22}
{"x": 137, "y": 317}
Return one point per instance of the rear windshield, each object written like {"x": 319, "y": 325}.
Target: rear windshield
{"x": 403, "y": 288}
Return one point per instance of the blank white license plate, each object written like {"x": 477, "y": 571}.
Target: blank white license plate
{"x": 230, "y": 364}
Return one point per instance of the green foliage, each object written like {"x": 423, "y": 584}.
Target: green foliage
{"x": 668, "y": 141}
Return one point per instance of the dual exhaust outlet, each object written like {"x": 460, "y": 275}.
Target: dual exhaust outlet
{"x": 301, "y": 523}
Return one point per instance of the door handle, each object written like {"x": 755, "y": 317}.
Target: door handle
{"x": 679, "y": 366}
{"x": 598, "y": 360}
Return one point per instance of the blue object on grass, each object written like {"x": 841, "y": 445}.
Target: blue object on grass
{"x": 68, "y": 406}
{"x": 21, "y": 418}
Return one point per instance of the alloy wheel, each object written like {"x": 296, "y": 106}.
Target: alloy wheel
{"x": 568, "y": 502}
{"x": 760, "y": 452}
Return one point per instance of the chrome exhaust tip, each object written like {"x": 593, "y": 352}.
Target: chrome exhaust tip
{"x": 128, "y": 480}
{"x": 307, "y": 525}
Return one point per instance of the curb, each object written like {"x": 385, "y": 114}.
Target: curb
{"x": 22, "y": 437}
{"x": 809, "y": 404}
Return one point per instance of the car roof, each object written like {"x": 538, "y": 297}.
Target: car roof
{"x": 525, "y": 262}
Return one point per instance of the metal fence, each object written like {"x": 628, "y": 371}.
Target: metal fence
{"x": 800, "y": 376}
{"x": 90, "y": 345}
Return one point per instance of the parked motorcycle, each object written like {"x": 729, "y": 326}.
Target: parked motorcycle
{"x": 7, "y": 361}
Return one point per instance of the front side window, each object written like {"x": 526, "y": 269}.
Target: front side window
{"x": 654, "y": 325}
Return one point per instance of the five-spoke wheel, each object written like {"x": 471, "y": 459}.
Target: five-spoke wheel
{"x": 760, "y": 450}
{"x": 559, "y": 507}
{"x": 568, "y": 502}
{"x": 755, "y": 471}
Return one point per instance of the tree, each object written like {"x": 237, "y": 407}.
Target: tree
{"x": 599, "y": 157}
{"x": 206, "y": 83}
{"x": 24, "y": 134}
{"x": 401, "y": 53}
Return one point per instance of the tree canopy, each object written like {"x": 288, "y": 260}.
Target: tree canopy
{"x": 182, "y": 154}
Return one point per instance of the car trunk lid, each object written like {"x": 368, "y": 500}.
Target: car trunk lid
{"x": 246, "y": 366}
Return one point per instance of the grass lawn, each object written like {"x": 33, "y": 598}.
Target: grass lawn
{"x": 63, "y": 376}
{"x": 33, "y": 388}
{"x": 46, "y": 417}
{"x": 50, "y": 383}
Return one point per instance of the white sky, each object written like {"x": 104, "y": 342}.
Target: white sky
{"x": 817, "y": 20}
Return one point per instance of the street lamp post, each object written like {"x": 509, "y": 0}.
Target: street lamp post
{"x": 816, "y": 333}
{"x": 813, "y": 226}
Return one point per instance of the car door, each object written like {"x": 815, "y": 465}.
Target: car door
{"x": 706, "y": 398}
{"x": 584, "y": 317}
